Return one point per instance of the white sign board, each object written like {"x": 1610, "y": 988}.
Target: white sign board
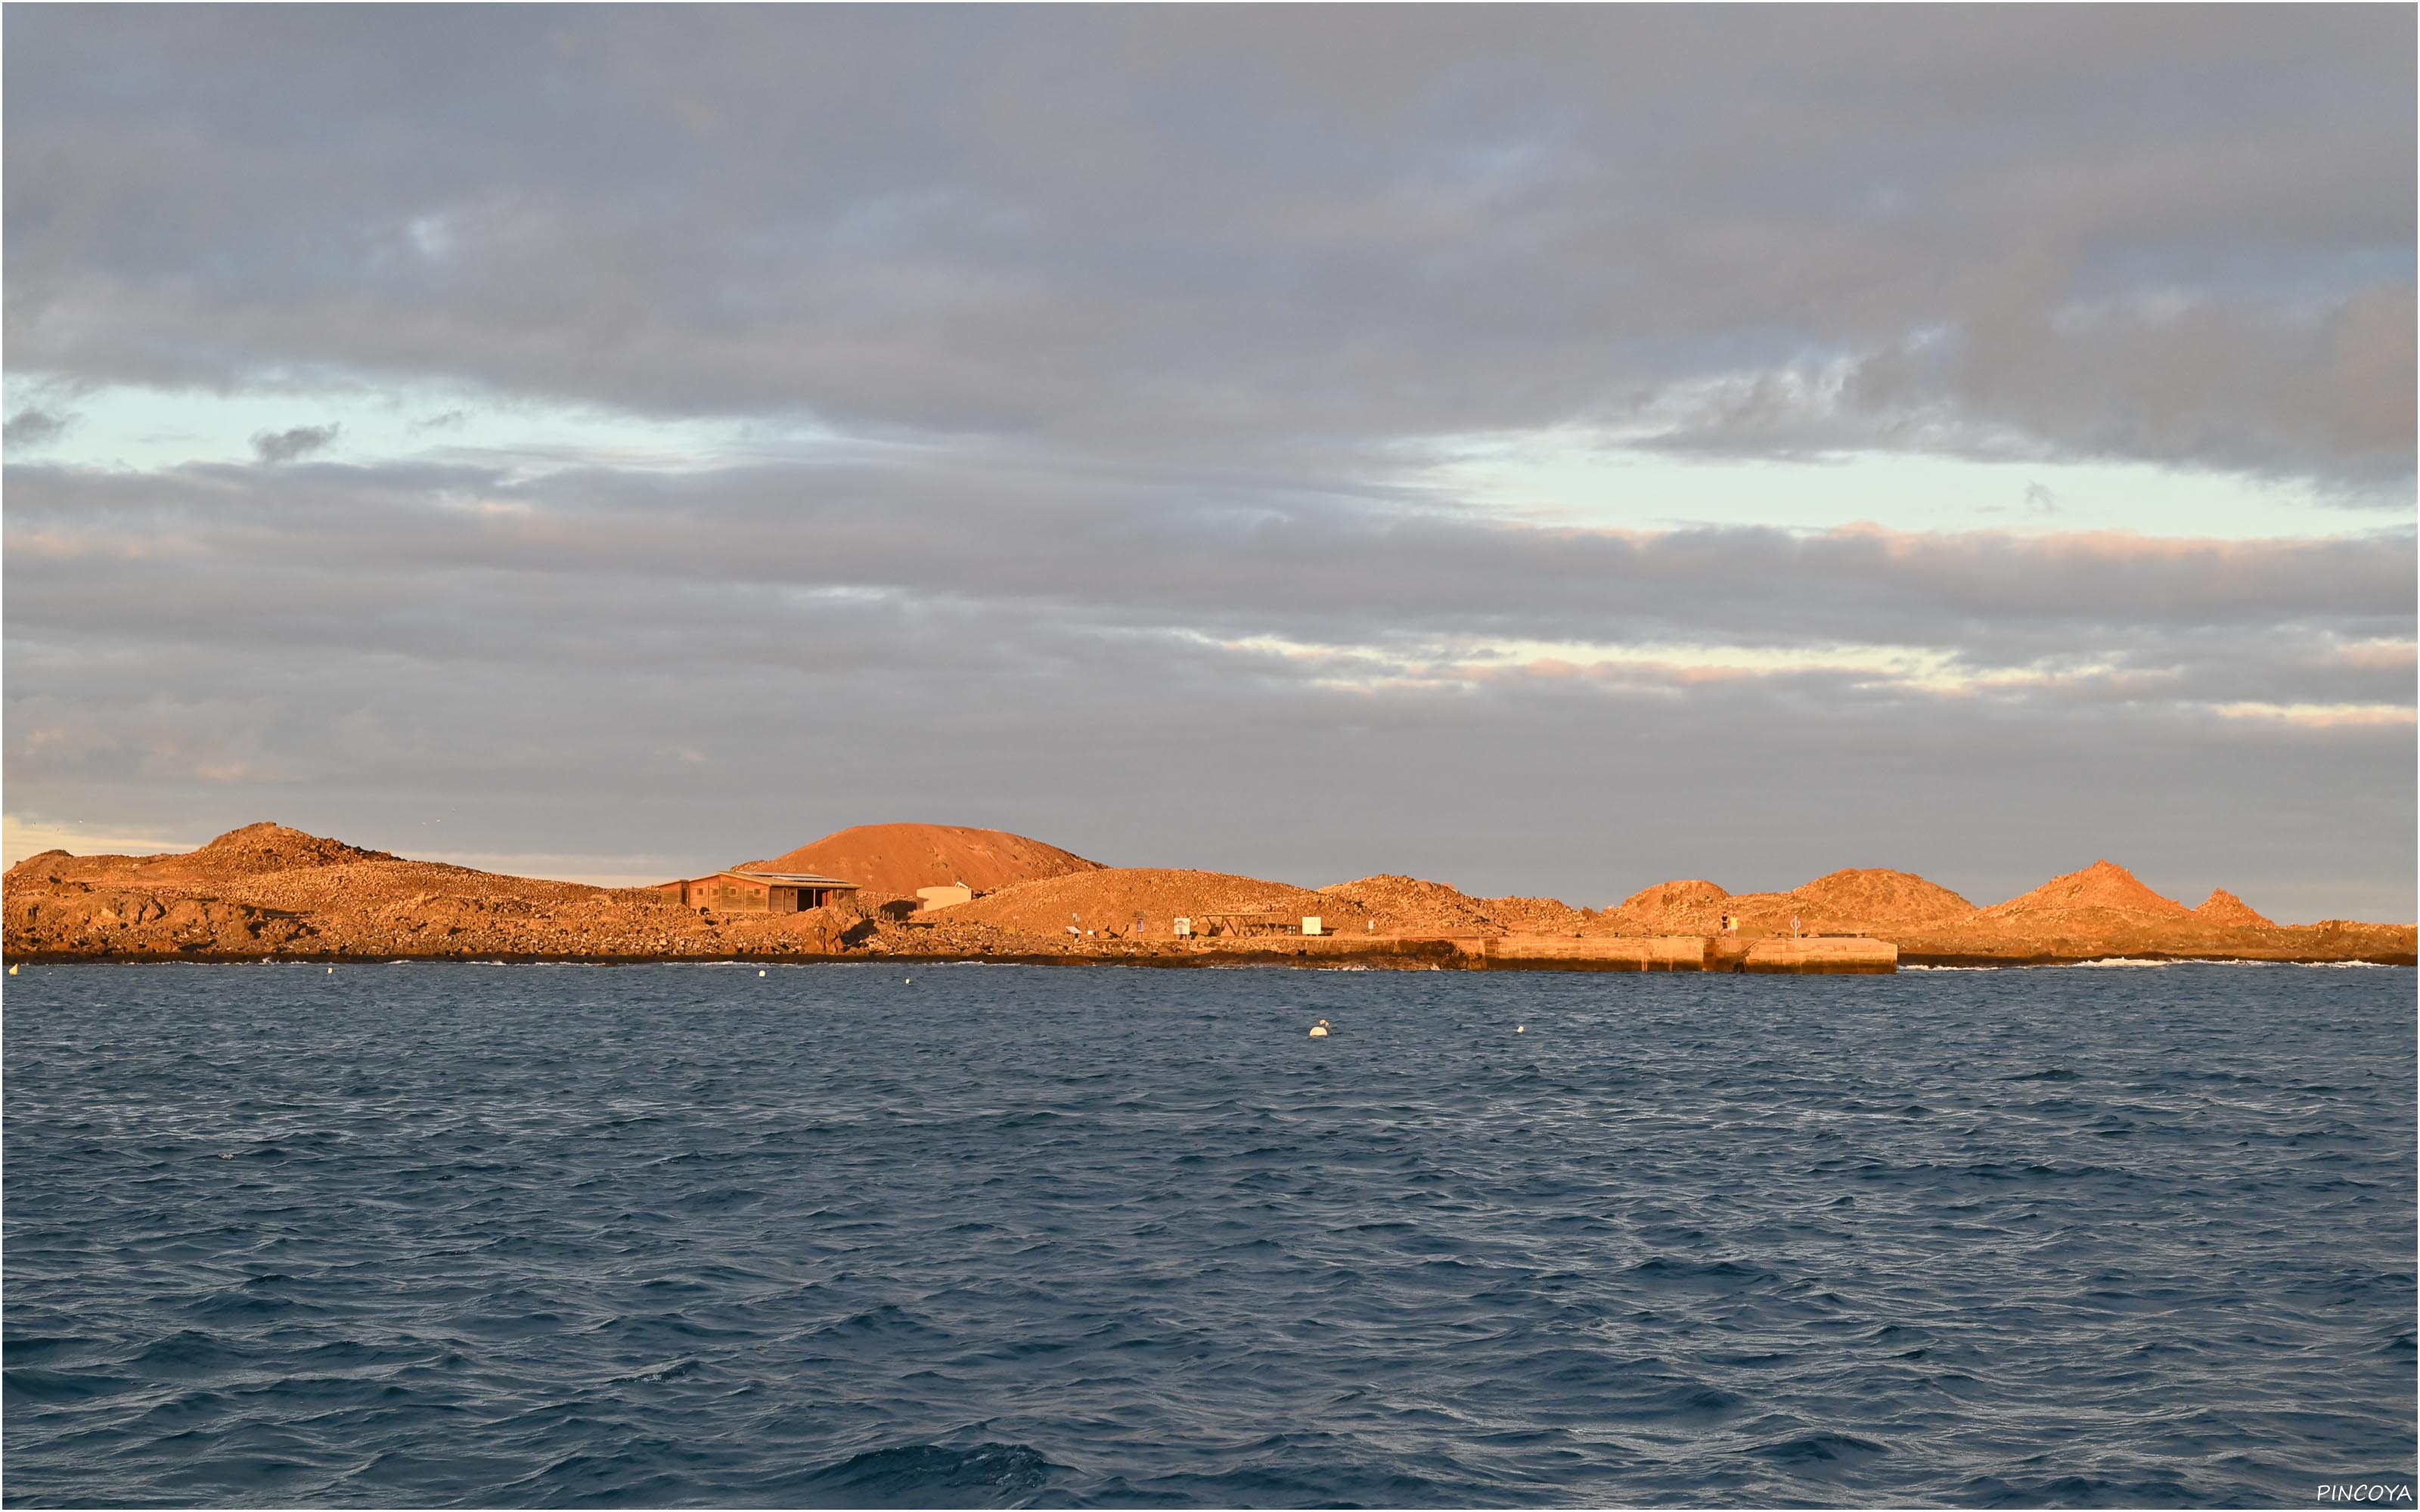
{"x": 1310, "y": 924}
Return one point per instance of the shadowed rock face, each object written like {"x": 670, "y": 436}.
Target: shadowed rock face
{"x": 895, "y": 859}
{"x": 82, "y": 916}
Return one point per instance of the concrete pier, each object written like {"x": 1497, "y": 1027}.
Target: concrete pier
{"x": 1559, "y": 952}
{"x": 1828, "y": 955}
{"x": 1822, "y": 955}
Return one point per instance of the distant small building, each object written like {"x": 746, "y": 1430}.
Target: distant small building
{"x": 1249, "y": 921}
{"x": 956, "y": 893}
{"x": 757, "y": 892}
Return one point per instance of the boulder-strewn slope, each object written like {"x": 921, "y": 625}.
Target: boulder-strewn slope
{"x": 1408, "y": 906}
{"x": 1871, "y": 901}
{"x": 1882, "y": 899}
{"x": 1107, "y": 901}
{"x": 1690, "y": 905}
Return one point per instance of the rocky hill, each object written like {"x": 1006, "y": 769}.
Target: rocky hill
{"x": 2101, "y": 911}
{"x": 1880, "y": 899}
{"x": 1409, "y": 905}
{"x": 2224, "y": 907}
{"x": 897, "y": 859}
{"x": 265, "y": 891}
{"x": 2102, "y": 886}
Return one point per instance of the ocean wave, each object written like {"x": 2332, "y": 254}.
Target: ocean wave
{"x": 628, "y": 1235}
{"x": 932, "y": 1474}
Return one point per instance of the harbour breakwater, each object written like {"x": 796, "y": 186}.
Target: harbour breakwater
{"x": 1548, "y": 952}
{"x": 1685, "y": 953}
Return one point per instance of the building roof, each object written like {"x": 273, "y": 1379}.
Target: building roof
{"x": 792, "y": 879}
{"x": 785, "y": 879}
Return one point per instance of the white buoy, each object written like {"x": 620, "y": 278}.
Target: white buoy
{"x": 332, "y": 971}
{"x": 1520, "y": 1029}
{"x": 760, "y": 973}
{"x": 1319, "y": 1030}
{"x": 906, "y": 980}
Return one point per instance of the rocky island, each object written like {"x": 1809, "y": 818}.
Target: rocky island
{"x": 267, "y": 892}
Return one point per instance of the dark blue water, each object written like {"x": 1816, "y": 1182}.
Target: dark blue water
{"x": 436, "y": 1235}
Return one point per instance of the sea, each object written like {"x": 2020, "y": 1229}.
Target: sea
{"x": 437, "y": 1235}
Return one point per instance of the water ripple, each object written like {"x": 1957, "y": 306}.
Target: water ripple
{"x": 1021, "y": 1237}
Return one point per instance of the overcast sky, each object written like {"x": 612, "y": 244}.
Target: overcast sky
{"x": 1549, "y": 450}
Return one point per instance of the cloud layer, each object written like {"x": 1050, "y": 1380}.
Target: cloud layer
{"x": 2184, "y": 237}
{"x": 1135, "y": 669}
{"x": 1079, "y": 378}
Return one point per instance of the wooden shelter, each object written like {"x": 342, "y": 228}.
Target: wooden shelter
{"x": 757, "y": 892}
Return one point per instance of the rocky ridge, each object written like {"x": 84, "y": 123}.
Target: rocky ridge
{"x": 267, "y": 891}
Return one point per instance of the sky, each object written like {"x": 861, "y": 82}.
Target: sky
{"x": 1548, "y": 451}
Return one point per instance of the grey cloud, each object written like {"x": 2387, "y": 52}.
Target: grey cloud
{"x": 33, "y": 427}
{"x": 1045, "y": 655}
{"x": 1546, "y": 786}
{"x": 2061, "y": 232}
{"x": 1151, "y": 555}
{"x": 273, "y": 447}
{"x": 375, "y": 639}
{"x": 1130, "y": 318}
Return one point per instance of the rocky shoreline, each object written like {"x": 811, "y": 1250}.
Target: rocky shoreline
{"x": 266, "y": 894}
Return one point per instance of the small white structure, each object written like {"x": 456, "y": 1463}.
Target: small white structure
{"x": 1183, "y": 927}
{"x": 956, "y": 893}
{"x": 1311, "y": 923}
